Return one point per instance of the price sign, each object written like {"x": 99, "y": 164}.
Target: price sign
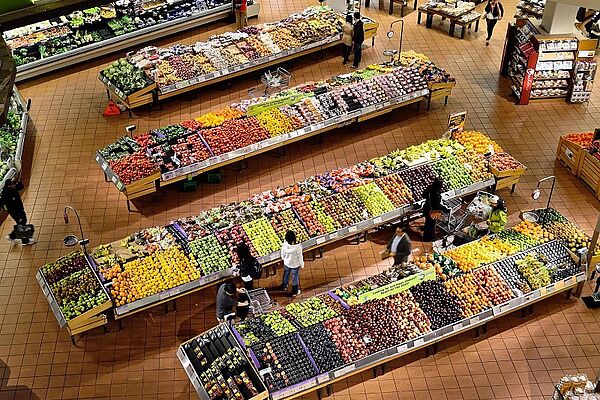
{"x": 321, "y": 240}
{"x": 104, "y": 166}
{"x": 352, "y": 229}
{"x": 323, "y": 378}
{"x": 377, "y": 220}
{"x": 474, "y": 320}
{"x": 457, "y": 327}
{"x": 333, "y": 235}
{"x": 344, "y": 371}
{"x": 419, "y": 342}
{"x": 402, "y": 348}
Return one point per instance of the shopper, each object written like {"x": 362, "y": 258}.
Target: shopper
{"x": 249, "y": 266}
{"x": 10, "y": 200}
{"x": 241, "y": 14}
{"x": 432, "y": 208}
{"x": 232, "y": 300}
{"x": 358, "y": 37}
{"x": 399, "y": 246}
{"x": 293, "y": 261}
{"x": 497, "y": 218}
{"x": 493, "y": 13}
{"x": 347, "y": 38}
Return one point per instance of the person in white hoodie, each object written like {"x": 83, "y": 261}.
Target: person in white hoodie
{"x": 293, "y": 261}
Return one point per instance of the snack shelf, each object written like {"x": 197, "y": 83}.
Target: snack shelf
{"x": 107, "y": 46}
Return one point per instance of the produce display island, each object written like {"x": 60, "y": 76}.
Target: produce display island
{"x": 160, "y": 264}
{"x": 138, "y": 166}
{"x": 83, "y": 34}
{"x": 153, "y": 74}
{"x": 312, "y": 344}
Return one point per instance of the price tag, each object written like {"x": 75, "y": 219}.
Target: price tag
{"x": 402, "y": 348}
{"x": 377, "y": 220}
{"x": 419, "y": 342}
{"x": 457, "y": 327}
{"x": 387, "y": 103}
{"x": 114, "y": 179}
{"x": 560, "y": 284}
{"x": 543, "y": 291}
{"x": 321, "y": 240}
{"x": 344, "y": 371}
{"x": 580, "y": 277}
{"x": 104, "y": 166}
{"x": 333, "y": 235}
{"x": 323, "y": 378}
{"x": 352, "y": 229}
{"x": 474, "y": 320}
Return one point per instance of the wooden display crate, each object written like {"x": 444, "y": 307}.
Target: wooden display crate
{"x": 439, "y": 90}
{"x": 570, "y": 154}
{"x": 589, "y": 172}
{"x": 142, "y": 187}
{"x": 91, "y": 323}
{"x": 132, "y": 100}
{"x": 508, "y": 178}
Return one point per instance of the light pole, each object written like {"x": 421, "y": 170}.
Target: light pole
{"x": 537, "y": 193}
{"x": 82, "y": 241}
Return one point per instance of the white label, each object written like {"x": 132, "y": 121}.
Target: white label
{"x": 474, "y": 320}
{"x": 352, "y": 229}
{"x": 114, "y": 179}
{"x": 333, "y": 235}
{"x": 104, "y": 166}
{"x": 402, "y": 348}
{"x": 419, "y": 342}
{"x": 323, "y": 378}
{"x": 377, "y": 220}
{"x": 457, "y": 327}
{"x": 321, "y": 240}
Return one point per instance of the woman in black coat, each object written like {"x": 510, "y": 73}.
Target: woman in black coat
{"x": 249, "y": 266}
{"x": 399, "y": 246}
{"x": 493, "y": 13}
{"x": 432, "y": 206}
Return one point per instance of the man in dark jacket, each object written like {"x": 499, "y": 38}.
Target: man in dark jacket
{"x": 10, "y": 200}
{"x": 431, "y": 208}
{"x": 358, "y": 37}
{"x": 399, "y": 246}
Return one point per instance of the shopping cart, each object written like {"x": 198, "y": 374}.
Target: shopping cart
{"x": 260, "y": 302}
{"x": 276, "y": 81}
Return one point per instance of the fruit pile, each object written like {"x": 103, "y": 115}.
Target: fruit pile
{"x": 310, "y": 220}
{"x": 516, "y": 239}
{"x": 452, "y": 173}
{"x": 277, "y": 123}
{"x": 231, "y": 237}
{"x": 533, "y": 231}
{"x": 469, "y": 294}
{"x": 582, "y": 139}
{"x": 345, "y": 208}
{"x": 262, "y": 236}
{"x": 418, "y": 179}
{"x": 329, "y": 223}
{"x": 440, "y": 307}
{"x": 143, "y": 277}
{"x": 323, "y": 350}
{"x": 493, "y": 287}
{"x": 285, "y": 221}
{"x": 505, "y": 162}
{"x": 533, "y": 267}
{"x": 133, "y": 167}
{"x": 476, "y": 164}
{"x": 395, "y": 189}
{"x": 477, "y": 141}
{"x": 471, "y": 255}
{"x": 374, "y": 199}
{"x": 74, "y": 285}
{"x": 288, "y": 362}
{"x": 310, "y": 312}
{"x": 208, "y": 254}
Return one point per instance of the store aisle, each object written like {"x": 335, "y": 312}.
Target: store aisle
{"x": 518, "y": 358}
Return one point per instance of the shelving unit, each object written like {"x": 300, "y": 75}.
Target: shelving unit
{"x": 530, "y": 9}
{"x": 542, "y": 67}
{"x": 164, "y": 18}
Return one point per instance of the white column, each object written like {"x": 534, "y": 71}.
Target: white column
{"x": 559, "y": 18}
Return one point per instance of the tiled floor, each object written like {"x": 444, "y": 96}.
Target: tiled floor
{"x": 518, "y": 358}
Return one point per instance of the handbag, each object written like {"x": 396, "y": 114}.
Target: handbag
{"x": 385, "y": 253}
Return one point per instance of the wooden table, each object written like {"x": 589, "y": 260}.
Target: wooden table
{"x": 454, "y": 20}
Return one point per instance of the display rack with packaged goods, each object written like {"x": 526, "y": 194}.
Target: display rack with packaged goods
{"x": 12, "y": 137}
{"x": 83, "y": 34}
{"x": 530, "y": 9}
{"x": 318, "y": 341}
{"x": 160, "y": 264}
{"x": 251, "y": 127}
{"x": 181, "y": 68}
{"x": 542, "y": 66}
{"x": 461, "y": 13}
